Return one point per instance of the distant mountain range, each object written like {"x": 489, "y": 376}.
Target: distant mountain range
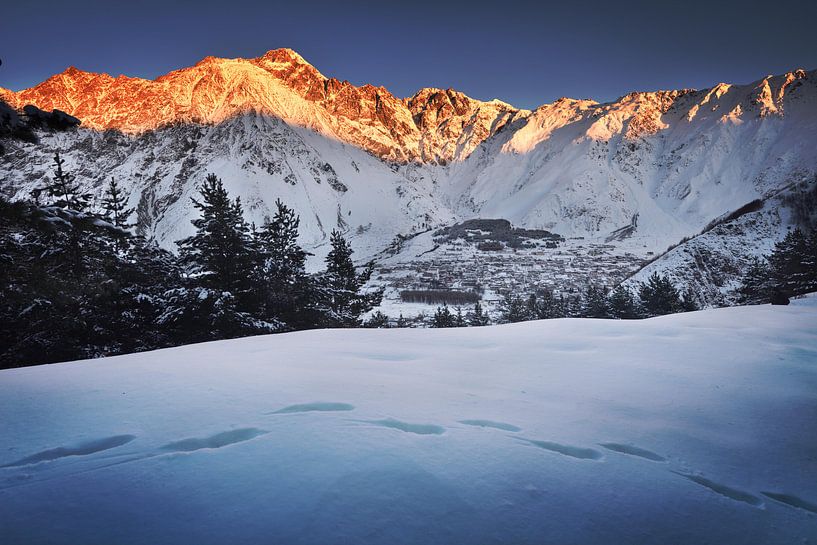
{"x": 642, "y": 172}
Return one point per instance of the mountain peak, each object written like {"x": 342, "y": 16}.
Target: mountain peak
{"x": 284, "y": 54}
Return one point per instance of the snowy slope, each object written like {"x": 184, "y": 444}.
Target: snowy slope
{"x": 685, "y": 429}
{"x": 643, "y": 171}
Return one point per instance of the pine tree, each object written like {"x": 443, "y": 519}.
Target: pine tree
{"x": 443, "y": 317}
{"x": 688, "y": 301}
{"x": 342, "y": 286}
{"x": 658, "y": 296}
{"x": 622, "y": 304}
{"x": 115, "y": 206}
{"x": 594, "y": 304}
{"x": 513, "y": 309}
{"x": 793, "y": 263}
{"x": 459, "y": 319}
{"x": 478, "y": 317}
{"x": 377, "y": 320}
{"x": 64, "y": 189}
{"x": 401, "y": 321}
{"x": 757, "y": 284}
{"x": 220, "y": 254}
{"x": 288, "y": 293}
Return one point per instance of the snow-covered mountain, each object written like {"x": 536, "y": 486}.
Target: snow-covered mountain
{"x": 641, "y": 172}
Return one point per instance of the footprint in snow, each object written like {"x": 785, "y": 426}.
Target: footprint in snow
{"x": 792, "y": 501}
{"x": 723, "y": 490}
{"x": 633, "y": 451}
{"x": 81, "y": 449}
{"x": 314, "y": 407}
{"x": 567, "y": 450}
{"x": 218, "y": 440}
{"x": 419, "y": 429}
{"x": 491, "y": 424}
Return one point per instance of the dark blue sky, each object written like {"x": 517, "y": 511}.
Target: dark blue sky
{"x": 526, "y": 53}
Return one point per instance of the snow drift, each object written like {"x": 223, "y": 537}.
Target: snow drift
{"x": 694, "y": 428}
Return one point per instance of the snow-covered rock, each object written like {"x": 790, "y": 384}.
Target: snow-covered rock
{"x": 685, "y": 429}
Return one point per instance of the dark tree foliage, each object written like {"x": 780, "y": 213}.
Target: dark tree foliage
{"x": 449, "y": 297}
{"x": 594, "y": 303}
{"x": 659, "y": 296}
{"x": 622, "y": 304}
{"x": 444, "y": 318}
{"x": 63, "y": 190}
{"x": 790, "y": 270}
{"x": 287, "y": 292}
{"x": 459, "y": 318}
{"x": 477, "y": 317}
{"x": 342, "y": 295}
{"x": 76, "y": 287}
{"x": 220, "y": 253}
{"x": 513, "y": 309}
{"x": 378, "y": 320}
{"x": 544, "y": 305}
{"x": 115, "y": 207}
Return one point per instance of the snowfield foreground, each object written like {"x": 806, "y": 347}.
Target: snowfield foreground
{"x": 687, "y": 429}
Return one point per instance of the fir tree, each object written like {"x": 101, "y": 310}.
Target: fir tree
{"x": 459, "y": 319}
{"x": 477, "y": 317}
{"x": 401, "y": 321}
{"x": 757, "y": 284}
{"x": 288, "y": 292}
{"x": 220, "y": 254}
{"x": 378, "y": 320}
{"x": 513, "y": 309}
{"x": 594, "y": 303}
{"x": 658, "y": 296}
{"x": 443, "y": 317}
{"x": 688, "y": 302}
{"x": 342, "y": 286}
{"x": 622, "y": 304}
{"x": 64, "y": 189}
{"x": 115, "y": 206}
{"x": 793, "y": 263}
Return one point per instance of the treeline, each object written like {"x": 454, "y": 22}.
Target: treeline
{"x": 78, "y": 284}
{"x": 447, "y": 297}
{"x": 655, "y": 297}
{"x": 790, "y": 270}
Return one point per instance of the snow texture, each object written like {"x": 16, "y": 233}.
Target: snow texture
{"x": 684, "y": 429}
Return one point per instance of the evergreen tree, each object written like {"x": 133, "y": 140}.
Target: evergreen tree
{"x": 513, "y": 309}
{"x": 342, "y": 286}
{"x": 459, "y": 319}
{"x": 402, "y": 322}
{"x": 544, "y": 306}
{"x": 793, "y": 263}
{"x": 378, "y": 320}
{"x": 757, "y": 284}
{"x": 63, "y": 188}
{"x": 115, "y": 206}
{"x": 658, "y": 296}
{"x": 220, "y": 254}
{"x": 287, "y": 291}
{"x": 478, "y": 317}
{"x": 443, "y": 317}
{"x": 688, "y": 302}
{"x": 594, "y": 303}
{"x": 622, "y": 304}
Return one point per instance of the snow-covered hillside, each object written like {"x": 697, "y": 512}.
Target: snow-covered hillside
{"x": 641, "y": 172}
{"x": 685, "y": 429}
